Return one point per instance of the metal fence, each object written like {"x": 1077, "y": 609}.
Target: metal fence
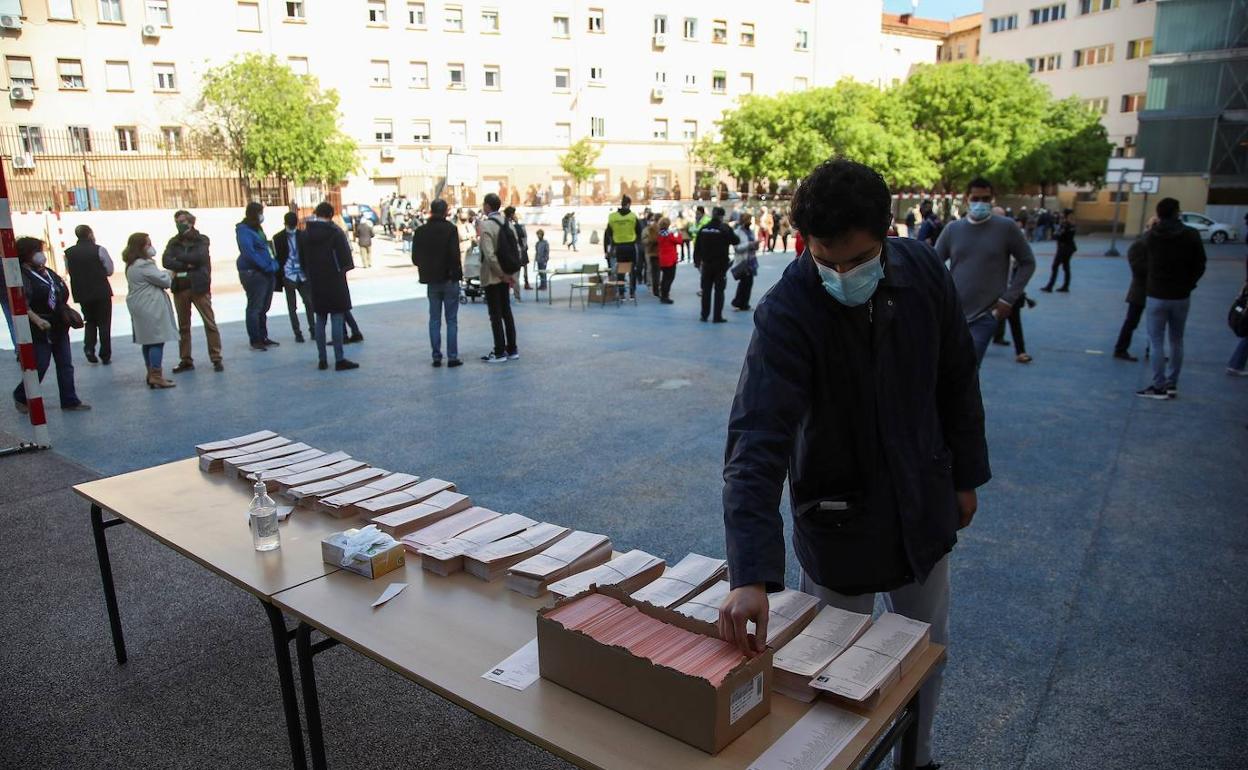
{"x": 83, "y": 170}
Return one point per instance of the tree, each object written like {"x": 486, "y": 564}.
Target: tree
{"x": 269, "y": 121}
{"x": 1073, "y": 148}
{"x": 578, "y": 162}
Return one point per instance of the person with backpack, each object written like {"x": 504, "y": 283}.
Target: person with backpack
{"x": 522, "y": 241}
{"x": 500, "y": 262}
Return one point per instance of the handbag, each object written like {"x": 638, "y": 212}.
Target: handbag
{"x": 72, "y": 318}
{"x": 1237, "y": 318}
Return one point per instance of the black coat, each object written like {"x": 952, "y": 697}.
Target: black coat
{"x": 1137, "y": 258}
{"x": 281, "y": 251}
{"x": 39, "y": 289}
{"x": 873, "y": 412}
{"x": 86, "y": 273}
{"x": 1176, "y": 259}
{"x": 713, "y": 248}
{"x": 435, "y": 252}
{"x": 1065, "y": 240}
{"x": 188, "y": 253}
{"x": 326, "y": 259}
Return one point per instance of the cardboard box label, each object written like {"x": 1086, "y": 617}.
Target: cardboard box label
{"x": 745, "y": 697}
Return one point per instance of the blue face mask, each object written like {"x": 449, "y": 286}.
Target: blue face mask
{"x": 979, "y": 211}
{"x": 855, "y": 287}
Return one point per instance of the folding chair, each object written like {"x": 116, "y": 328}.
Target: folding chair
{"x": 620, "y": 282}
{"x": 583, "y": 285}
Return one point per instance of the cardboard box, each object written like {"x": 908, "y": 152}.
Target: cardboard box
{"x": 379, "y": 561}
{"x": 595, "y": 293}
{"x": 685, "y": 707}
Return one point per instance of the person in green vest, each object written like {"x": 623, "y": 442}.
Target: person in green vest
{"x": 622, "y": 227}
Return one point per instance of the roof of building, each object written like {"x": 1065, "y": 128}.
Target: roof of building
{"x": 908, "y": 24}
{"x": 967, "y": 22}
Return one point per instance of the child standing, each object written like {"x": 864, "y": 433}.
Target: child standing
{"x": 541, "y": 254}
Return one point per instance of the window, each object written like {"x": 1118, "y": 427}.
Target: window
{"x": 58, "y": 9}
{"x": 70, "y": 71}
{"x": 32, "y": 139}
{"x": 1132, "y": 102}
{"x": 489, "y": 20}
{"x": 456, "y": 74}
{"x": 1138, "y": 49}
{"x": 21, "y": 72}
{"x": 658, "y": 130}
{"x": 1101, "y": 54}
{"x": 689, "y": 130}
{"x": 248, "y": 15}
{"x": 1048, "y": 13}
{"x": 1096, "y": 6}
{"x": 563, "y": 133}
{"x": 747, "y": 82}
{"x": 379, "y": 73}
{"x": 421, "y": 131}
{"x": 493, "y": 132}
{"x": 800, "y": 84}
{"x": 803, "y": 40}
{"x": 158, "y": 12}
{"x": 117, "y": 75}
{"x": 961, "y": 50}
{"x": 719, "y": 31}
{"x": 1099, "y": 105}
{"x": 376, "y": 11}
{"x": 691, "y": 28}
{"x": 420, "y": 75}
{"x": 597, "y": 127}
{"x": 294, "y": 9}
{"x": 563, "y": 80}
{"x": 383, "y": 130}
{"x": 561, "y": 26}
{"x": 660, "y": 25}
{"x": 166, "y": 77}
{"x": 660, "y": 78}
{"x": 1003, "y": 23}
{"x": 171, "y": 138}
{"x": 80, "y": 138}
{"x": 719, "y": 82}
{"x": 298, "y": 64}
{"x": 110, "y": 10}
{"x": 691, "y": 82}
{"x": 595, "y": 76}
{"x": 595, "y": 20}
{"x": 1047, "y": 63}
{"x": 415, "y": 14}
{"x": 454, "y": 19}
{"x": 459, "y": 133}
{"x": 493, "y": 77}
{"x": 747, "y": 33}
{"x": 127, "y": 139}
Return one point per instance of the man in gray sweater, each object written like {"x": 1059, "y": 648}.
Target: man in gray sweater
{"x": 978, "y": 249}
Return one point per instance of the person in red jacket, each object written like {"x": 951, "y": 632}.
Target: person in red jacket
{"x": 669, "y": 243}
{"x": 799, "y": 244}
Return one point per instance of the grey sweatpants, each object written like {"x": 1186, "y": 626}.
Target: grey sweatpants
{"x": 928, "y": 602}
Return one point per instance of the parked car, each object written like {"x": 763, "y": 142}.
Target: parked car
{"x": 1216, "y": 232}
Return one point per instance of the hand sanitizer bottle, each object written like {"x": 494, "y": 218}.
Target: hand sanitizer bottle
{"x": 263, "y": 519}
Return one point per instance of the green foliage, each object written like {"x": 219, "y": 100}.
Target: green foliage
{"x": 1074, "y": 147}
{"x": 578, "y": 162}
{"x": 270, "y": 121}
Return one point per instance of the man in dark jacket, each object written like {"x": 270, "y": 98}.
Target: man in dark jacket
{"x": 1176, "y": 261}
{"x": 326, "y": 260}
{"x": 712, "y": 254}
{"x": 186, "y": 256}
{"x": 1137, "y": 259}
{"x": 288, "y": 248}
{"x": 435, "y": 253}
{"x": 860, "y": 383}
{"x": 89, "y": 267}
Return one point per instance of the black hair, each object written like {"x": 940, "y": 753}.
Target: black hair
{"x": 82, "y": 231}
{"x": 438, "y": 207}
{"x": 509, "y": 212}
{"x": 1167, "y": 208}
{"x": 839, "y": 196}
{"x": 27, "y": 247}
{"x": 253, "y": 211}
{"x": 184, "y": 213}
{"x": 625, "y": 201}
{"x": 291, "y": 219}
{"x": 493, "y": 201}
{"x": 717, "y": 212}
{"x": 979, "y": 181}
{"x": 324, "y": 210}
{"x": 700, "y": 208}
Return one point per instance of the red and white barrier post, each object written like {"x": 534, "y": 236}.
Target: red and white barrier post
{"x": 21, "y": 326}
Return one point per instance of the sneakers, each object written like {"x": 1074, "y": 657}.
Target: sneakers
{"x": 719, "y": 320}
{"x": 513, "y": 356}
{"x": 344, "y": 365}
{"x": 1172, "y": 391}
{"x": 322, "y": 365}
{"x": 667, "y": 301}
{"x": 493, "y": 359}
{"x": 454, "y": 362}
{"x": 259, "y": 348}
{"x": 268, "y": 343}
{"x": 217, "y": 366}
{"x": 184, "y": 366}
{"x": 437, "y": 363}
{"x": 81, "y": 406}
{"x": 1157, "y": 394}
{"x": 299, "y": 337}
{"x": 1236, "y": 372}
{"x": 1123, "y": 355}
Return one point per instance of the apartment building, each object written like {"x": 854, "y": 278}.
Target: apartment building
{"x": 908, "y": 41}
{"x": 508, "y": 82}
{"x": 962, "y": 41}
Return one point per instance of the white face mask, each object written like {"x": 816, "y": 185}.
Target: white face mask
{"x": 39, "y": 260}
{"x": 150, "y": 251}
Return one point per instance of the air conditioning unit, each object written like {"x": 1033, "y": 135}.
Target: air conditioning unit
{"x": 151, "y": 30}
{"x": 660, "y": 40}
{"x": 21, "y": 94}
{"x": 9, "y": 21}
{"x": 658, "y": 92}
{"x": 387, "y": 153}
{"x": 24, "y": 161}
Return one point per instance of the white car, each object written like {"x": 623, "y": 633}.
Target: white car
{"x": 1216, "y": 232}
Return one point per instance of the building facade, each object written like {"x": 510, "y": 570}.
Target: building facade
{"x": 962, "y": 41}
{"x": 908, "y": 41}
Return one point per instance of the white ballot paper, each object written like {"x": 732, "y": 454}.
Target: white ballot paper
{"x": 678, "y": 582}
{"x": 519, "y": 670}
{"x": 392, "y": 590}
{"x": 827, "y": 636}
{"x": 813, "y": 741}
{"x": 282, "y": 511}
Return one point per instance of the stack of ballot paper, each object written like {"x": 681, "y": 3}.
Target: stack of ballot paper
{"x": 447, "y": 556}
{"x": 344, "y": 504}
{"x": 447, "y": 528}
{"x": 245, "y": 471}
{"x": 234, "y": 443}
{"x": 628, "y": 572}
{"x": 831, "y": 632}
{"x": 789, "y": 612}
{"x": 492, "y": 560}
{"x": 213, "y": 461}
{"x": 232, "y": 464}
{"x": 414, "y": 517}
{"x": 679, "y": 583}
{"x": 705, "y": 606}
{"x": 875, "y": 661}
{"x": 402, "y": 497}
{"x": 577, "y": 552}
{"x": 309, "y": 486}
{"x": 273, "y": 477}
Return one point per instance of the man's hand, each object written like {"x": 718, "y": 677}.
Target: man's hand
{"x": 1002, "y": 310}
{"x": 741, "y": 605}
{"x": 40, "y": 322}
{"x": 968, "y": 503}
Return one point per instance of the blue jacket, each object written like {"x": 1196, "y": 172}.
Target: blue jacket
{"x": 253, "y": 250}
{"x": 873, "y": 413}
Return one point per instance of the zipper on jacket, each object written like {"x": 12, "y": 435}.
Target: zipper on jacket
{"x": 871, "y": 311}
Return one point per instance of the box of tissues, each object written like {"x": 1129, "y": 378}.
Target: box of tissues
{"x": 366, "y": 551}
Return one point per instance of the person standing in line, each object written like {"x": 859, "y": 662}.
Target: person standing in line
{"x": 1066, "y": 249}
{"x": 1137, "y": 296}
{"x": 765, "y": 229}
{"x": 89, "y": 266}
{"x": 435, "y": 253}
{"x": 288, "y": 246}
{"x": 622, "y": 230}
{"x": 541, "y": 257}
{"x": 187, "y": 257}
{"x": 650, "y": 245}
{"x": 257, "y": 270}
{"x": 785, "y": 230}
{"x": 564, "y": 223}
{"x": 978, "y": 250}
{"x": 930, "y": 227}
{"x": 640, "y": 264}
{"x": 574, "y": 229}
{"x": 47, "y": 311}
{"x": 669, "y": 240}
{"x": 495, "y": 235}
{"x": 326, "y": 261}
{"x": 364, "y": 239}
{"x": 1239, "y": 358}
{"x": 681, "y": 227}
{"x": 860, "y": 386}
{"x": 744, "y": 262}
{"x": 522, "y": 242}
{"x": 387, "y": 215}
{"x": 711, "y": 257}
{"x": 467, "y": 234}
{"x": 151, "y": 312}
{"x": 1176, "y": 262}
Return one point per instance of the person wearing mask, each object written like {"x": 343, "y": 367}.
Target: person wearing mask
{"x": 650, "y": 244}
{"x": 978, "y": 250}
{"x": 744, "y": 262}
{"x": 257, "y": 271}
{"x": 622, "y": 232}
{"x": 364, "y": 239}
{"x": 711, "y": 256}
{"x": 287, "y": 246}
{"x": 1066, "y": 249}
{"x": 49, "y": 315}
{"x": 497, "y": 283}
{"x": 522, "y": 242}
{"x": 326, "y": 261}
{"x": 930, "y": 227}
{"x": 186, "y": 257}
{"x": 1137, "y": 297}
{"x": 151, "y": 312}
{"x": 669, "y": 241}
{"x": 881, "y": 438}
{"x": 1176, "y": 261}
{"x": 435, "y": 253}
{"x": 89, "y": 267}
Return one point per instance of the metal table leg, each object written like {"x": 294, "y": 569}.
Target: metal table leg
{"x": 307, "y": 680}
{"x": 286, "y": 678}
{"x": 904, "y": 731}
{"x": 910, "y": 738}
{"x": 98, "y": 525}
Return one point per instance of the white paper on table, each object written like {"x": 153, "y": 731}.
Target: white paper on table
{"x": 283, "y": 511}
{"x": 392, "y": 590}
{"x": 813, "y": 741}
{"x": 519, "y": 670}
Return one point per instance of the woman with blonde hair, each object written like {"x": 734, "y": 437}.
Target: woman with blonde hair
{"x": 151, "y": 312}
